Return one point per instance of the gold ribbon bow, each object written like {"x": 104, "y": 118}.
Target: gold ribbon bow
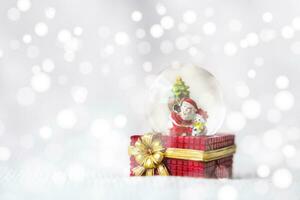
{"x": 149, "y": 153}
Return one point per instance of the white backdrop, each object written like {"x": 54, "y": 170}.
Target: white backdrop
{"x": 73, "y": 82}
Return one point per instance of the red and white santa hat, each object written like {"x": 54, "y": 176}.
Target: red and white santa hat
{"x": 190, "y": 101}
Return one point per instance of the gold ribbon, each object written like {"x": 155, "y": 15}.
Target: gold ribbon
{"x": 149, "y": 153}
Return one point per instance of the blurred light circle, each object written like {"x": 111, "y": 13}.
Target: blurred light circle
{"x": 252, "y": 39}
{"x": 66, "y": 119}
{"x": 263, "y": 171}
{"x": 230, "y": 49}
{"x": 272, "y": 139}
{"x": 182, "y": 43}
{"x": 287, "y": 32}
{"x": 252, "y": 73}
{"x": 296, "y": 23}
{"x": 23, "y": 5}
{"x": 251, "y": 108}
{"x": 140, "y": 33}
{"x": 209, "y": 28}
{"x": 79, "y": 94}
{"x": 100, "y": 127}
{"x": 282, "y": 82}
{"x": 26, "y": 96}
{"x": 284, "y": 100}
{"x": 267, "y": 17}
{"x": 235, "y": 121}
{"x": 48, "y": 65}
{"x": 78, "y": 30}
{"x": 204, "y": 89}
{"x": 156, "y": 31}
{"x": 266, "y": 35}
{"x": 189, "y": 17}
{"x": 120, "y": 121}
{"x": 50, "y": 12}
{"x": 121, "y": 38}
{"x": 147, "y": 66}
{"x": 242, "y": 90}
{"x": 13, "y": 14}
{"x": 33, "y": 51}
{"x": 27, "y": 38}
{"x": 227, "y": 192}
{"x": 274, "y": 116}
{"x": 40, "y": 82}
{"x": 45, "y": 132}
{"x": 161, "y": 9}
{"x": 136, "y": 16}
{"x": 4, "y": 153}
{"x": 64, "y": 35}
{"x": 289, "y": 151}
{"x": 193, "y": 51}
{"x": 167, "y": 22}
{"x": 41, "y": 29}
{"x": 235, "y": 25}
{"x": 282, "y": 178}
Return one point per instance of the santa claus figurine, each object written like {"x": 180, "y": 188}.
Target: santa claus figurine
{"x": 183, "y": 118}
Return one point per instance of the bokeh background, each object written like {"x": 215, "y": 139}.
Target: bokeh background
{"x": 74, "y": 77}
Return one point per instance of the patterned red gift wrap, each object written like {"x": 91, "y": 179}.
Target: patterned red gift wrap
{"x": 219, "y": 168}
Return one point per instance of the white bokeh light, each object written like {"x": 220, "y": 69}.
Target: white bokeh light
{"x": 182, "y": 43}
{"x": 64, "y": 35}
{"x": 26, "y": 96}
{"x": 263, "y": 171}
{"x": 295, "y": 48}
{"x": 289, "y": 151}
{"x": 13, "y": 14}
{"x": 48, "y": 65}
{"x": 33, "y": 51}
{"x": 161, "y": 9}
{"x": 284, "y": 100}
{"x": 120, "y": 121}
{"x": 122, "y": 38}
{"x": 27, "y": 38}
{"x": 140, "y": 33}
{"x": 78, "y": 31}
{"x": 235, "y": 121}
{"x": 45, "y": 132}
{"x": 23, "y": 5}
{"x": 79, "y": 94}
{"x": 296, "y": 23}
{"x": 147, "y": 66}
{"x": 167, "y": 22}
{"x": 230, "y": 49}
{"x": 136, "y": 16}
{"x": 282, "y": 178}
{"x": 50, "y": 12}
{"x": 242, "y": 90}
{"x": 4, "y": 153}
{"x": 251, "y": 108}
{"x": 41, "y": 29}
{"x": 267, "y": 17}
{"x": 282, "y": 82}
{"x": 40, "y": 82}
{"x": 189, "y": 17}
{"x": 287, "y": 32}
{"x": 251, "y": 73}
{"x": 156, "y": 31}
{"x": 252, "y": 39}
{"x": 227, "y": 192}
{"x": 66, "y": 119}
{"x": 209, "y": 28}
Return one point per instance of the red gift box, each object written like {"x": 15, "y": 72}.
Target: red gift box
{"x": 206, "y": 156}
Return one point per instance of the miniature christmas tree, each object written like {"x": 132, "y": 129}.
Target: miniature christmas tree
{"x": 180, "y": 89}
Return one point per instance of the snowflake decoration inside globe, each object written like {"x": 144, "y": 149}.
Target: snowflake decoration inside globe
{"x": 180, "y": 86}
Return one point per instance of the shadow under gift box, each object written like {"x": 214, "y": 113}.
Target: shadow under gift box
{"x": 217, "y": 152}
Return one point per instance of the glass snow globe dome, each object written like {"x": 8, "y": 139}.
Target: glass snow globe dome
{"x": 199, "y": 84}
